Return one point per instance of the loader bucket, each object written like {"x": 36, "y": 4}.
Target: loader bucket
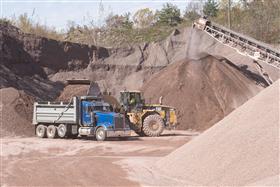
{"x": 93, "y": 90}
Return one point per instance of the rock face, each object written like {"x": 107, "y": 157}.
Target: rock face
{"x": 240, "y": 150}
{"x": 203, "y": 91}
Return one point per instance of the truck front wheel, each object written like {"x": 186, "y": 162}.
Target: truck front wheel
{"x": 100, "y": 134}
{"x": 153, "y": 125}
{"x": 51, "y": 131}
{"x": 41, "y": 131}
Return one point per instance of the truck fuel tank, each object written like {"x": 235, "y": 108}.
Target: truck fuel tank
{"x": 85, "y": 131}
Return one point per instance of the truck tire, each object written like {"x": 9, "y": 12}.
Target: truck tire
{"x": 41, "y": 131}
{"x": 62, "y": 131}
{"x": 153, "y": 125}
{"x": 100, "y": 134}
{"x": 52, "y": 131}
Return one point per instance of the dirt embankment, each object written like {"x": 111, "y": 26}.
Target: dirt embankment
{"x": 242, "y": 149}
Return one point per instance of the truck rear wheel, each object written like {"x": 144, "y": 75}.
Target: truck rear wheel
{"x": 100, "y": 134}
{"x": 51, "y": 131}
{"x": 41, "y": 131}
{"x": 62, "y": 130}
{"x": 153, "y": 125}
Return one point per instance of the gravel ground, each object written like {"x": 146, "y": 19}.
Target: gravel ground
{"x": 72, "y": 162}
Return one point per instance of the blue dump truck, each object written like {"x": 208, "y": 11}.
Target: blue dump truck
{"x": 84, "y": 116}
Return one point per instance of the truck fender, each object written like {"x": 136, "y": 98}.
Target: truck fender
{"x": 99, "y": 126}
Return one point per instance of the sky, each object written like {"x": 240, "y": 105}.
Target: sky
{"x": 57, "y": 13}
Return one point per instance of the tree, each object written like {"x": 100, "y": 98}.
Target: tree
{"x": 169, "y": 15}
{"x": 262, "y": 20}
{"x": 191, "y": 12}
{"x": 118, "y": 21}
{"x": 210, "y": 8}
{"x": 24, "y": 23}
{"x": 143, "y": 18}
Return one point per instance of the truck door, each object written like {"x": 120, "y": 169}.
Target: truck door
{"x": 86, "y": 113}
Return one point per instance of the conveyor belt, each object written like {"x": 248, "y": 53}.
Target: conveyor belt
{"x": 242, "y": 44}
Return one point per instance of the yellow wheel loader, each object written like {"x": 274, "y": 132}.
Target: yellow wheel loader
{"x": 147, "y": 119}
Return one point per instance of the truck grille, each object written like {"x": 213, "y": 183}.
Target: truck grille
{"x": 119, "y": 122}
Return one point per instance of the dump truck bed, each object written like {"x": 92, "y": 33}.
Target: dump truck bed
{"x": 55, "y": 112}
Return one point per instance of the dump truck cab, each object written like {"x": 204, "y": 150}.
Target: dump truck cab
{"x": 146, "y": 119}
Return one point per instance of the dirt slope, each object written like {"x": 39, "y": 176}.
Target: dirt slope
{"x": 241, "y": 149}
{"x": 203, "y": 91}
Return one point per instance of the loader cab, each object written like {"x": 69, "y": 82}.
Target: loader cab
{"x": 131, "y": 100}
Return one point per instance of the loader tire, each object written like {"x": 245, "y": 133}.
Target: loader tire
{"x": 41, "y": 131}
{"x": 153, "y": 125}
{"x": 52, "y": 131}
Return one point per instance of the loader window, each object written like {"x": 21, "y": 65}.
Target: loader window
{"x": 138, "y": 98}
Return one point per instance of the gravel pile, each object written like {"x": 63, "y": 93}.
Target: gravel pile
{"x": 16, "y": 113}
{"x": 203, "y": 91}
{"x": 242, "y": 149}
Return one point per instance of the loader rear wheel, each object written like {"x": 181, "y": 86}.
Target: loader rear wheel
{"x": 41, "y": 131}
{"x": 153, "y": 125}
{"x": 51, "y": 131}
{"x": 62, "y": 130}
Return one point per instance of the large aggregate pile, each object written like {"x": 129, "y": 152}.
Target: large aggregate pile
{"x": 242, "y": 149}
{"x": 203, "y": 91}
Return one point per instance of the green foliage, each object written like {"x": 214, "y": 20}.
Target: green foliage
{"x": 118, "y": 21}
{"x": 81, "y": 34}
{"x": 169, "y": 15}
{"x": 263, "y": 20}
{"x": 210, "y": 8}
{"x": 191, "y": 15}
{"x": 259, "y": 19}
{"x": 27, "y": 25}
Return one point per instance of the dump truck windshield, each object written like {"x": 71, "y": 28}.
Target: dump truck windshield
{"x": 102, "y": 108}
{"x": 97, "y": 106}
